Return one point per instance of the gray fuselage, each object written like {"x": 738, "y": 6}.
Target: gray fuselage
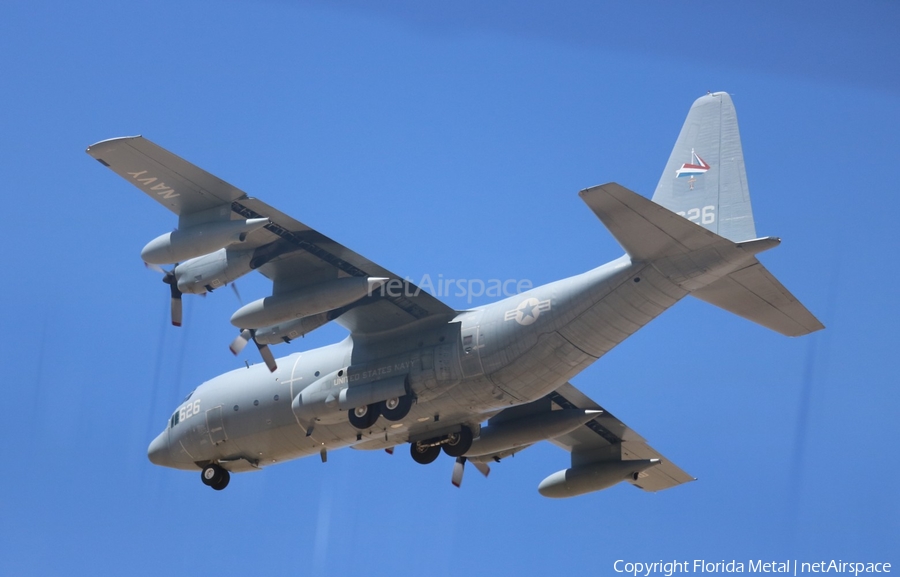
{"x": 511, "y": 352}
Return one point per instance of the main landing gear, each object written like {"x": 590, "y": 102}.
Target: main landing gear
{"x": 454, "y": 444}
{"x": 394, "y": 409}
{"x": 215, "y": 476}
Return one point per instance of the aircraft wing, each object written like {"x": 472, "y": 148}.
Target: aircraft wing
{"x": 299, "y": 255}
{"x": 595, "y": 441}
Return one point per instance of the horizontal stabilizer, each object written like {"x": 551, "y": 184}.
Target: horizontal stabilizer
{"x": 645, "y": 229}
{"x": 756, "y": 295}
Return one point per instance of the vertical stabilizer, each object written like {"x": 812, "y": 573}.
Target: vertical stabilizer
{"x": 705, "y": 180}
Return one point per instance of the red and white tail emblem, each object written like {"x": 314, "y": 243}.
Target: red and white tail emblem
{"x": 695, "y": 167}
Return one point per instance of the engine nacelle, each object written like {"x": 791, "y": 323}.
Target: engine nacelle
{"x": 593, "y": 477}
{"x": 289, "y": 330}
{"x": 496, "y": 438}
{"x": 305, "y": 302}
{"x": 187, "y": 243}
{"x": 328, "y": 399}
{"x": 211, "y": 271}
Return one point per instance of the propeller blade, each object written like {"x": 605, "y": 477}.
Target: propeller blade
{"x": 176, "y": 305}
{"x": 459, "y": 468}
{"x": 483, "y": 468}
{"x": 237, "y": 293}
{"x": 239, "y": 342}
{"x": 156, "y": 268}
{"x": 267, "y": 356}
{"x": 171, "y": 280}
{"x": 176, "y": 312}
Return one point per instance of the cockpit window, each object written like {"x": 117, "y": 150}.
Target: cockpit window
{"x": 189, "y": 395}
{"x": 174, "y": 420}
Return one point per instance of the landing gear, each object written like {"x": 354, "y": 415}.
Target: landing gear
{"x": 215, "y": 476}
{"x": 365, "y": 416}
{"x": 397, "y": 408}
{"x": 424, "y": 453}
{"x": 454, "y": 444}
{"x": 458, "y": 443}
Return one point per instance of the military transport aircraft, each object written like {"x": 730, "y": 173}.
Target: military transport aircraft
{"x": 478, "y": 384}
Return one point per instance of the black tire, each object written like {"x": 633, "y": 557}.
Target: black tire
{"x": 401, "y": 407}
{"x": 365, "y": 420}
{"x": 211, "y": 475}
{"x": 223, "y": 481}
{"x": 458, "y": 444}
{"x": 424, "y": 455}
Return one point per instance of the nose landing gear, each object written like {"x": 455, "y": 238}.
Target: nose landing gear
{"x": 215, "y": 476}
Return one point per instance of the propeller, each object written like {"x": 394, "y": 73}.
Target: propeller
{"x": 170, "y": 279}
{"x": 237, "y": 293}
{"x": 459, "y": 467}
{"x": 247, "y": 335}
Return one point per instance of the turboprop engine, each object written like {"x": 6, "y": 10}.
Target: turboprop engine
{"x": 198, "y": 240}
{"x": 289, "y": 330}
{"x": 273, "y": 335}
{"x": 592, "y": 477}
{"x": 305, "y": 302}
{"x": 496, "y": 438}
{"x": 211, "y": 271}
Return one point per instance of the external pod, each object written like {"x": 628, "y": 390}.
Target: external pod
{"x": 594, "y": 477}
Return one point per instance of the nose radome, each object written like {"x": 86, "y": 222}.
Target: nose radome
{"x": 158, "y": 451}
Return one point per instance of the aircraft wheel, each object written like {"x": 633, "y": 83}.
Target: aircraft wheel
{"x": 363, "y": 417}
{"x": 424, "y": 454}
{"x": 223, "y": 481}
{"x": 459, "y": 443}
{"x": 211, "y": 475}
{"x": 397, "y": 408}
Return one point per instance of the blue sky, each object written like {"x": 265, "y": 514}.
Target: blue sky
{"x": 447, "y": 139}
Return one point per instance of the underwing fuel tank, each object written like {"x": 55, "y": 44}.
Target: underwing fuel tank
{"x": 305, "y": 302}
{"x": 529, "y": 429}
{"x": 191, "y": 242}
{"x": 593, "y": 477}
